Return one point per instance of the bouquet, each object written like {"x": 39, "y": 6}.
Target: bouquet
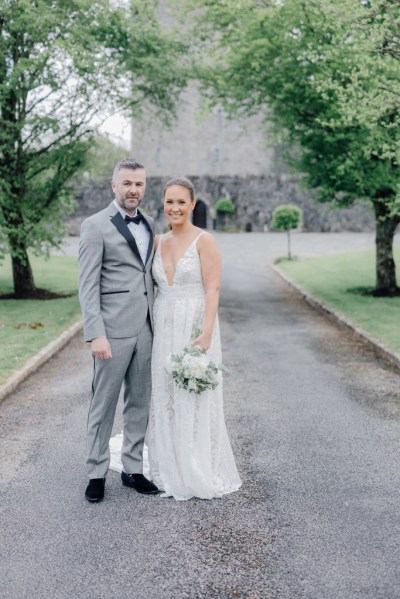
{"x": 193, "y": 371}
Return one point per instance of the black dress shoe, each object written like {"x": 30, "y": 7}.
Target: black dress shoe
{"x": 139, "y": 482}
{"x": 95, "y": 489}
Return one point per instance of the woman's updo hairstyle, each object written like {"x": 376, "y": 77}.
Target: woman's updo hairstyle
{"x": 182, "y": 182}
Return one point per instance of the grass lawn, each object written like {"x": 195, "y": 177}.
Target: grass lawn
{"x": 335, "y": 279}
{"x": 26, "y": 326}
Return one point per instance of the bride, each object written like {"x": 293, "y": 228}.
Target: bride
{"x": 189, "y": 452}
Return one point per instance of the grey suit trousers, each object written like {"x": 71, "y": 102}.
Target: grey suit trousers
{"x": 130, "y": 364}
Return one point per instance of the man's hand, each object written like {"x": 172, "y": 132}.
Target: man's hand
{"x": 101, "y": 348}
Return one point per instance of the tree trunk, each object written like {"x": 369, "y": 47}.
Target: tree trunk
{"x": 288, "y": 245}
{"x": 24, "y": 285}
{"x": 386, "y": 225}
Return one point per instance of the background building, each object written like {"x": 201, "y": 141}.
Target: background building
{"x": 201, "y": 144}
{"x": 225, "y": 159}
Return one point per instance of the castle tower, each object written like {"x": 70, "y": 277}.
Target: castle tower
{"x": 227, "y": 159}
{"x": 200, "y": 144}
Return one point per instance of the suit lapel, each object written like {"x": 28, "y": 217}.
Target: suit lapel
{"x": 121, "y": 225}
{"x": 151, "y": 240}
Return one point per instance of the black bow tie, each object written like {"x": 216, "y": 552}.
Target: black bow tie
{"x": 133, "y": 219}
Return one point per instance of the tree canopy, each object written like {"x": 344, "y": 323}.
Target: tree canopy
{"x": 285, "y": 218}
{"x": 326, "y": 77}
{"x": 64, "y": 67}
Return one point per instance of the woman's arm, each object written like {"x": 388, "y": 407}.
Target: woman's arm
{"x": 210, "y": 260}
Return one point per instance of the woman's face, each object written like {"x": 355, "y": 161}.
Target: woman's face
{"x": 178, "y": 205}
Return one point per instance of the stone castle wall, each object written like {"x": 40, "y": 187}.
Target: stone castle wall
{"x": 255, "y": 198}
{"x": 201, "y": 141}
{"x": 203, "y": 144}
{"x": 224, "y": 158}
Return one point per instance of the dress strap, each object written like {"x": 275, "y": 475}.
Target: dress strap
{"x": 194, "y": 242}
{"x": 198, "y": 237}
{"x": 159, "y": 243}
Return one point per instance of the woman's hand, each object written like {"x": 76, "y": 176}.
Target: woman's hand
{"x": 203, "y": 341}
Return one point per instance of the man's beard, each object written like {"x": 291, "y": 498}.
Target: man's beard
{"x": 124, "y": 203}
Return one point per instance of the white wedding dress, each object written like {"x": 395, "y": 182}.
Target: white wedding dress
{"x": 189, "y": 452}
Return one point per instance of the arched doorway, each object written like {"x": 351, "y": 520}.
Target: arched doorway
{"x": 200, "y": 214}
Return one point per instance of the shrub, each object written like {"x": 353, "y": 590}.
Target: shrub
{"x": 286, "y": 217}
{"x": 225, "y": 205}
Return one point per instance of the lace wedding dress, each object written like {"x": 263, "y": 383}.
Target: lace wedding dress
{"x": 189, "y": 452}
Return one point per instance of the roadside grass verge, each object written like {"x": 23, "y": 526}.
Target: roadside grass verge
{"x": 338, "y": 280}
{"x": 26, "y": 326}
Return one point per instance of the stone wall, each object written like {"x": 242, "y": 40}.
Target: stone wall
{"x": 255, "y": 198}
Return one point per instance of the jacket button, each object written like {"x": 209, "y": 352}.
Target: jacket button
{"x": 145, "y": 292}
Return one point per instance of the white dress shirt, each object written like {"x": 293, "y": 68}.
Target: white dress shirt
{"x": 139, "y": 232}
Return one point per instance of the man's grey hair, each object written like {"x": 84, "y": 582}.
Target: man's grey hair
{"x": 131, "y": 163}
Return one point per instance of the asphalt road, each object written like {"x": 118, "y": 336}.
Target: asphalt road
{"x": 314, "y": 420}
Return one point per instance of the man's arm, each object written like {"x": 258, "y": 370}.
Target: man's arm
{"x": 91, "y": 247}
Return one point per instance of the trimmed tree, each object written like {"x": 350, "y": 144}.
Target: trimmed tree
{"x": 65, "y": 67}
{"x": 325, "y": 75}
{"x": 285, "y": 218}
{"x": 224, "y": 207}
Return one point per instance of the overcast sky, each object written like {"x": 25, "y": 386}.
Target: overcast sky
{"x": 119, "y": 129}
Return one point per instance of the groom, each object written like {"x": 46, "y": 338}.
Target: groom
{"x": 116, "y": 296}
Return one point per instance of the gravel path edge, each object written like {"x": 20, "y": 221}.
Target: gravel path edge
{"x": 36, "y": 361}
{"x": 375, "y": 344}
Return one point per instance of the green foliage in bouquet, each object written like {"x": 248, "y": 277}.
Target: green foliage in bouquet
{"x": 193, "y": 371}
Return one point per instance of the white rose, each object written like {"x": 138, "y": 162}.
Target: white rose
{"x": 187, "y": 360}
{"x": 199, "y": 370}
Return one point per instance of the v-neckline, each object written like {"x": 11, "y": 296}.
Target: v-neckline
{"x": 177, "y": 262}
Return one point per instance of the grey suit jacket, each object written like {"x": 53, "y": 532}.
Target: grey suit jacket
{"x": 115, "y": 287}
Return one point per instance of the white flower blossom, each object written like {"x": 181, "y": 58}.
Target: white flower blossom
{"x": 193, "y": 370}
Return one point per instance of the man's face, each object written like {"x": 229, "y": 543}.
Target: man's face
{"x": 129, "y": 188}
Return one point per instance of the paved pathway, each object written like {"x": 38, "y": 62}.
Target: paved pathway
{"x": 314, "y": 420}
{"x": 273, "y": 245}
